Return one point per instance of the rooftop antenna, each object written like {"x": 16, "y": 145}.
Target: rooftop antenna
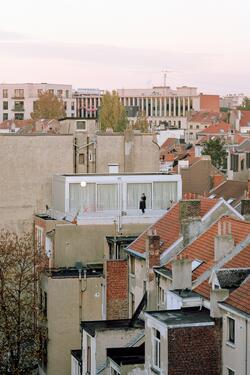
{"x": 165, "y": 73}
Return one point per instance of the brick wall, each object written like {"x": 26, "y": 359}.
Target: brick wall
{"x": 117, "y": 289}
{"x": 195, "y": 350}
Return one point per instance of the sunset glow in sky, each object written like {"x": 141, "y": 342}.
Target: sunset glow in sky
{"x": 126, "y": 44}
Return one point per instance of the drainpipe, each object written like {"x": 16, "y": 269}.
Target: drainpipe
{"x": 246, "y": 344}
{"x": 81, "y": 291}
{"x": 75, "y": 153}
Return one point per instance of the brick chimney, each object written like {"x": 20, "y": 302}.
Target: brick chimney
{"x": 152, "y": 259}
{"x": 181, "y": 273}
{"x": 190, "y": 219}
{"x": 152, "y": 252}
{"x": 223, "y": 241}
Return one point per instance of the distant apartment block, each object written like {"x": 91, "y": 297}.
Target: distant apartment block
{"x": 17, "y": 100}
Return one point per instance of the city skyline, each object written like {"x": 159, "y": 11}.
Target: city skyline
{"x": 107, "y": 46}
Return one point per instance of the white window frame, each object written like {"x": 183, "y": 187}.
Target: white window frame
{"x": 156, "y": 342}
{"x": 230, "y": 369}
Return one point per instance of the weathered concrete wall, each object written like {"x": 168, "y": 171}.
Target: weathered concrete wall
{"x": 64, "y": 318}
{"x": 85, "y": 243}
{"x": 27, "y": 166}
{"x": 109, "y": 149}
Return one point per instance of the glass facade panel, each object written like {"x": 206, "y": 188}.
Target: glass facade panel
{"x": 134, "y": 192}
{"x": 107, "y": 197}
{"x": 164, "y": 193}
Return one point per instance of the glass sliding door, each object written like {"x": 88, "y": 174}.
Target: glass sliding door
{"x": 107, "y": 197}
{"x": 164, "y": 193}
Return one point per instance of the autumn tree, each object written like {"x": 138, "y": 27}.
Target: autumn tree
{"x": 19, "y": 331}
{"x": 245, "y": 104}
{"x": 141, "y": 122}
{"x": 216, "y": 149}
{"x": 112, "y": 113}
{"x": 48, "y": 106}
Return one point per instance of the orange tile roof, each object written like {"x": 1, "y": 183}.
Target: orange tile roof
{"x": 19, "y": 123}
{"x": 205, "y": 117}
{"x": 168, "y": 226}
{"x": 219, "y": 128}
{"x": 203, "y": 249}
{"x": 245, "y": 118}
{"x": 240, "y": 298}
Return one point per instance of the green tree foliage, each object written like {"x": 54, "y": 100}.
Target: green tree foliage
{"x": 19, "y": 332}
{"x": 246, "y": 104}
{"x": 112, "y": 113}
{"x": 141, "y": 122}
{"x": 47, "y": 107}
{"x": 216, "y": 149}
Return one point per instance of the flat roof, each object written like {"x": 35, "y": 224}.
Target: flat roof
{"x": 127, "y": 356}
{"x": 73, "y": 272}
{"x": 102, "y": 325}
{"x": 115, "y": 174}
{"x": 186, "y": 317}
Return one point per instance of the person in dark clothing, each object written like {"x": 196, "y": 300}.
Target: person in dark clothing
{"x": 142, "y": 205}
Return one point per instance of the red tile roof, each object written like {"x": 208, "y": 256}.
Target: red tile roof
{"x": 203, "y": 249}
{"x": 245, "y": 118}
{"x": 168, "y": 226}
{"x": 219, "y": 128}
{"x": 240, "y": 298}
{"x": 205, "y": 117}
{"x": 19, "y": 123}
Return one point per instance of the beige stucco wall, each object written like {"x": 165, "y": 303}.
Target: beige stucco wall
{"x": 85, "y": 243}
{"x": 64, "y": 318}
{"x": 136, "y": 281}
{"x": 133, "y": 152}
{"x": 27, "y": 166}
{"x": 113, "y": 339}
{"x": 234, "y": 356}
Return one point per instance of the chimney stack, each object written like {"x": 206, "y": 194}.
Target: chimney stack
{"x": 223, "y": 241}
{"x": 190, "y": 219}
{"x": 245, "y": 207}
{"x": 181, "y": 273}
{"x": 216, "y": 296}
{"x": 152, "y": 252}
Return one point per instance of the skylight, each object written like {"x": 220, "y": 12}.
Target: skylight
{"x": 196, "y": 263}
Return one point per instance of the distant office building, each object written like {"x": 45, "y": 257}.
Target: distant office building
{"x": 163, "y": 106}
{"x": 231, "y": 101}
{"x": 17, "y": 100}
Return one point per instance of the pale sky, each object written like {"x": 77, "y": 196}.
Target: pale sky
{"x": 126, "y": 44}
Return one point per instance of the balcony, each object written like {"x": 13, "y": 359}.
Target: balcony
{"x": 105, "y": 199}
{"x": 18, "y": 97}
{"x": 18, "y": 109}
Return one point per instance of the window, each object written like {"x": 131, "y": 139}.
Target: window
{"x": 134, "y": 192}
{"x": 156, "y": 349}
{"x": 161, "y": 296}
{"x": 82, "y": 198}
{"x": 5, "y": 106}
{"x": 242, "y": 164}
{"x": 81, "y": 158}
{"x": 5, "y": 93}
{"x": 230, "y": 372}
{"x": 45, "y": 304}
{"x": 19, "y": 93}
{"x": 191, "y": 127}
{"x": 67, "y": 93}
{"x": 234, "y": 162}
{"x": 72, "y": 106}
{"x": 39, "y": 92}
{"x": 197, "y": 126}
{"x": 39, "y": 239}
{"x": 132, "y": 265}
{"x": 107, "y": 197}
{"x": 132, "y": 304}
{"x": 80, "y": 125}
{"x": 248, "y": 159}
{"x": 5, "y": 116}
{"x": 51, "y": 91}
{"x": 18, "y": 106}
{"x": 231, "y": 330}
{"x": 19, "y": 116}
{"x": 164, "y": 194}
{"x": 59, "y": 93}
{"x": 65, "y": 106}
